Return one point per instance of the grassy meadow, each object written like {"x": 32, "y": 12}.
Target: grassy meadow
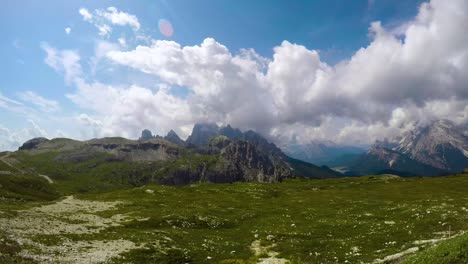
{"x": 371, "y": 219}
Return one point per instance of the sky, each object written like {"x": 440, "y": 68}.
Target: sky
{"x": 347, "y": 71}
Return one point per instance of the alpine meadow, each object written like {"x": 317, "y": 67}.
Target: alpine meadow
{"x": 234, "y": 132}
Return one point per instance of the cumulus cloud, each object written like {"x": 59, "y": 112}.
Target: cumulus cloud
{"x": 63, "y": 61}
{"x": 68, "y": 30}
{"x": 126, "y": 110}
{"x": 415, "y": 73}
{"x": 11, "y": 139}
{"x": 116, "y": 17}
{"x": 102, "y": 19}
{"x": 45, "y": 105}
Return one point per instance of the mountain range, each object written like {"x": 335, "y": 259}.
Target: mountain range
{"x": 210, "y": 154}
{"x": 438, "y": 148}
{"x": 322, "y": 152}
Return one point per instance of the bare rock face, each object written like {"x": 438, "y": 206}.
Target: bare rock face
{"x": 237, "y": 161}
{"x": 218, "y": 143}
{"x": 441, "y": 144}
{"x": 435, "y": 149}
{"x": 149, "y": 150}
{"x": 249, "y": 163}
{"x": 380, "y": 159}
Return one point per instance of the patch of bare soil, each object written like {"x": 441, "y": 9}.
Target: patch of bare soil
{"x": 69, "y": 216}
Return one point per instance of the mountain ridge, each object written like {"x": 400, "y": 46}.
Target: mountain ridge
{"x": 437, "y": 148}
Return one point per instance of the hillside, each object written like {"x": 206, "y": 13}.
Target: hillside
{"x": 437, "y": 148}
{"x": 109, "y": 163}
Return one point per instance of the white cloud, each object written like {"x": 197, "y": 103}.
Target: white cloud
{"x": 122, "y": 41}
{"x": 11, "y": 139}
{"x": 68, "y": 30}
{"x": 382, "y": 89}
{"x": 14, "y": 106}
{"x": 126, "y": 110}
{"x": 102, "y": 19}
{"x": 86, "y": 14}
{"x": 63, "y": 61}
{"x": 416, "y": 76}
{"x": 116, "y": 17}
{"x": 45, "y": 105}
{"x": 104, "y": 30}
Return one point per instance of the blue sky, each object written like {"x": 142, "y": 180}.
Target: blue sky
{"x": 335, "y": 29}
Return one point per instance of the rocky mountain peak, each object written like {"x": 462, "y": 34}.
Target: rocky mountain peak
{"x": 202, "y": 133}
{"x": 437, "y": 148}
{"x": 230, "y": 132}
{"x": 441, "y": 144}
{"x": 174, "y": 138}
{"x": 146, "y": 134}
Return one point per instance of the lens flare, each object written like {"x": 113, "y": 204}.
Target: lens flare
{"x": 165, "y": 27}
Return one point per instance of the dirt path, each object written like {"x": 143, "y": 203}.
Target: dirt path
{"x": 4, "y": 160}
{"x": 47, "y": 178}
{"x": 36, "y": 227}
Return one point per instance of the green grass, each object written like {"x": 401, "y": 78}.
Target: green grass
{"x": 304, "y": 220}
{"x": 309, "y": 221}
{"x": 26, "y": 188}
{"x": 452, "y": 251}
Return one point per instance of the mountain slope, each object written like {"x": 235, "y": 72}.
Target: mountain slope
{"x": 441, "y": 144}
{"x": 381, "y": 160}
{"x": 323, "y": 153}
{"x": 435, "y": 149}
{"x": 205, "y": 132}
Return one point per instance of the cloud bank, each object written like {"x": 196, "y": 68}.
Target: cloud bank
{"x": 414, "y": 74}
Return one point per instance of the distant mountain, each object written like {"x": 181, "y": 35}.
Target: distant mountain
{"x": 202, "y": 133}
{"x": 441, "y": 144}
{"x": 171, "y": 137}
{"x": 153, "y": 159}
{"x": 379, "y": 160}
{"x": 174, "y": 138}
{"x": 438, "y": 148}
{"x": 231, "y": 133}
{"x": 321, "y": 152}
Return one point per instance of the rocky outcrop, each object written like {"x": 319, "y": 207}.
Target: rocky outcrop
{"x": 149, "y": 150}
{"x": 33, "y": 143}
{"x": 146, "y": 135}
{"x": 234, "y": 161}
{"x": 246, "y": 161}
{"x": 218, "y": 143}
